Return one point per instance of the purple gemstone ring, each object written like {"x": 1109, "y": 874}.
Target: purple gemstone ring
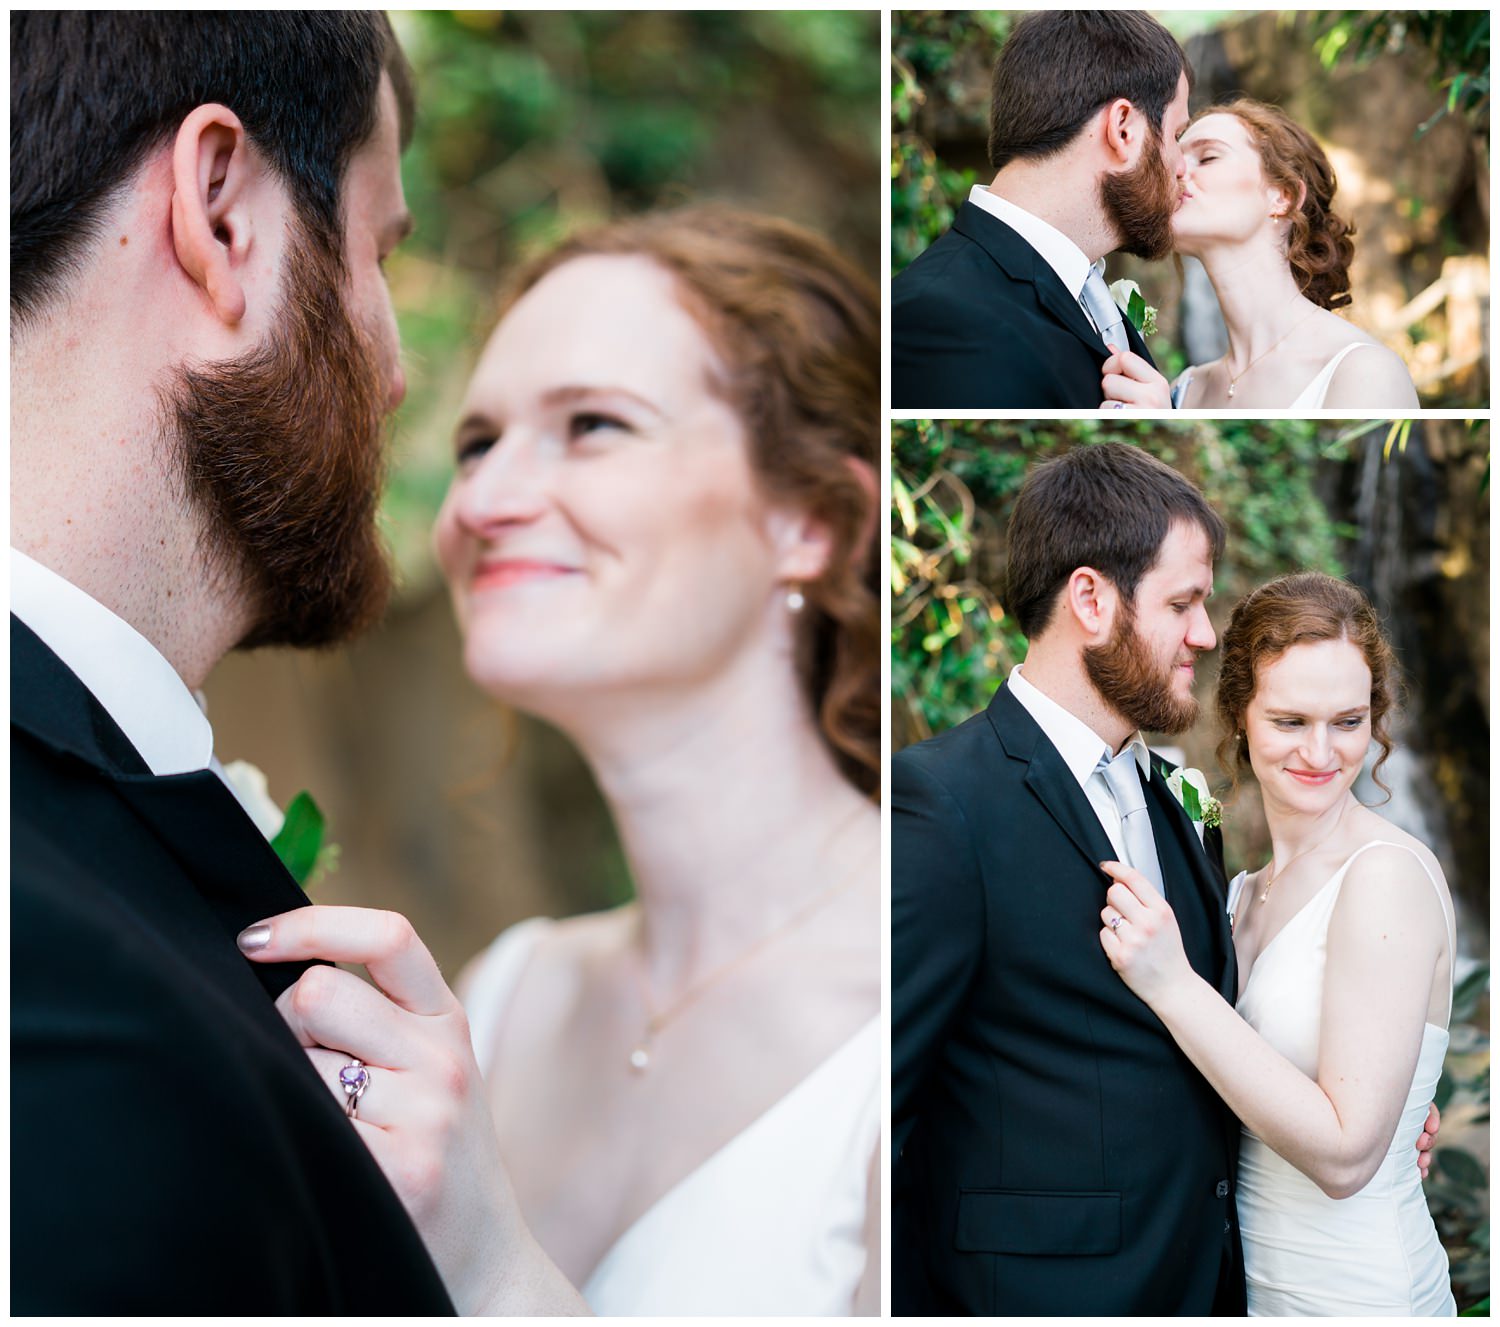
{"x": 354, "y": 1078}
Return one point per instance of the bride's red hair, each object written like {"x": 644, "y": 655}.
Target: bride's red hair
{"x": 1320, "y": 244}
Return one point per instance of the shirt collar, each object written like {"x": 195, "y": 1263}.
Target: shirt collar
{"x": 1078, "y": 744}
{"x": 1063, "y": 256}
{"x": 122, "y": 669}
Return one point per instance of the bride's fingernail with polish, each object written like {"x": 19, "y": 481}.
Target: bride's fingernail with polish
{"x": 253, "y": 938}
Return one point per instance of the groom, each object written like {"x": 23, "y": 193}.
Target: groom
{"x": 1009, "y": 309}
{"x": 203, "y": 354}
{"x": 1054, "y": 1152}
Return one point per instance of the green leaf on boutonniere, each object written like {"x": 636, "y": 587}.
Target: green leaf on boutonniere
{"x": 1190, "y": 802}
{"x": 301, "y": 838}
{"x": 1142, "y": 314}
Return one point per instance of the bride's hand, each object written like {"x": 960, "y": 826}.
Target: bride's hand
{"x": 424, "y": 1113}
{"x": 1131, "y": 382}
{"x": 1140, "y": 936}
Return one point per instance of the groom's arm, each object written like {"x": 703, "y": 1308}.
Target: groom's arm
{"x": 937, "y": 930}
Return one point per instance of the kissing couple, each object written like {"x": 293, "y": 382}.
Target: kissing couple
{"x": 659, "y": 536}
{"x": 1094, "y": 151}
{"x": 1120, "y": 1084}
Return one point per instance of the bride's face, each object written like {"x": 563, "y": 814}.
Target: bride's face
{"x": 1308, "y": 725}
{"x": 1225, "y": 194}
{"x": 604, "y": 528}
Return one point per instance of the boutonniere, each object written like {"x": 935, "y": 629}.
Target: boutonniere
{"x": 1191, "y": 790}
{"x": 1128, "y": 296}
{"x": 296, "y": 834}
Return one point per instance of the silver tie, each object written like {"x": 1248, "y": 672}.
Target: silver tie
{"x": 1104, "y": 311}
{"x": 1122, "y": 774}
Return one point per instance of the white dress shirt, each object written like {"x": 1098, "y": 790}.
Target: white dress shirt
{"x": 1081, "y": 749}
{"x": 123, "y": 670}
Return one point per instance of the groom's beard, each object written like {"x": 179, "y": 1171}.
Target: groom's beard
{"x": 281, "y": 451}
{"x": 1134, "y": 685}
{"x": 1140, "y": 203}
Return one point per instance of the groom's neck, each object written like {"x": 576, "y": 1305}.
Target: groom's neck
{"x": 1060, "y": 676}
{"x": 1064, "y": 192}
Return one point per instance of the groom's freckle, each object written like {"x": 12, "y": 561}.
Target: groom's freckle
{"x": 124, "y": 240}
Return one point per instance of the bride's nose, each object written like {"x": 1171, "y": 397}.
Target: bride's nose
{"x": 1315, "y": 749}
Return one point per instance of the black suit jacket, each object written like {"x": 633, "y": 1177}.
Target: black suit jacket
{"x": 1055, "y": 1152}
{"x": 172, "y": 1149}
{"x": 980, "y": 321}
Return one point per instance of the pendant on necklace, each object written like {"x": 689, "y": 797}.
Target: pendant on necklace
{"x": 1231, "y": 391}
{"x": 640, "y": 1059}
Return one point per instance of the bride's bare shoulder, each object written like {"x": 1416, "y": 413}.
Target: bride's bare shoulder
{"x": 1373, "y": 828}
{"x": 1371, "y": 377}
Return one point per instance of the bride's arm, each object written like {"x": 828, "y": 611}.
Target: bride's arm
{"x": 1384, "y": 940}
{"x": 1373, "y": 377}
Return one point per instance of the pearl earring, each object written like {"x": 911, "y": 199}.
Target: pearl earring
{"x": 795, "y": 601}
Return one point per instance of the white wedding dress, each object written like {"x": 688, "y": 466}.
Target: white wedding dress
{"x": 1309, "y": 398}
{"x": 1306, "y": 1254}
{"x": 772, "y": 1223}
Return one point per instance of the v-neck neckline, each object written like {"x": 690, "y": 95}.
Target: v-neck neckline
{"x": 715, "y": 1158}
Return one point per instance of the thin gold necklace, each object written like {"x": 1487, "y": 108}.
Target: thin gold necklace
{"x": 657, "y": 1019}
{"x": 1235, "y": 377}
{"x": 1271, "y": 872}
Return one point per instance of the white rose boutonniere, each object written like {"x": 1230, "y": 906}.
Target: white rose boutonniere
{"x": 249, "y": 784}
{"x": 1191, "y": 789}
{"x": 296, "y": 835}
{"x": 1128, "y": 296}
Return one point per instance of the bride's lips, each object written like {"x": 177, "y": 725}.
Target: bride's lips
{"x": 1311, "y": 778}
{"x": 501, "y": 573}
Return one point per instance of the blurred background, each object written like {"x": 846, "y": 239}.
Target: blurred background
{"x": 1400, "y": 509}
{"x": 1399, "y": 99}
{"x": 530, "y": 124}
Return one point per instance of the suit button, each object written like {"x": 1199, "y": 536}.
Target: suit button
{"x": 1226, "y": 1227}
{"x": 1221, "y": 1189}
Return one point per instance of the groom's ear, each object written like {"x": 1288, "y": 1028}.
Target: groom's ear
{"x": 1124, "y": 132}
{"x": 227, "y": 215}
{"x": 1091, "y": 599}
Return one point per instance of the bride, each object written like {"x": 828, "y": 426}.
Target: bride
{"x": 1256, "y": 210}
{"x": 1345, "y": 947}
{"x": 659, "y": 540}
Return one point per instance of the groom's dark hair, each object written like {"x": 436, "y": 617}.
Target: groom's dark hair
{"x": 93, "y": 93}
{"x": 1107, "y": 506}
{"x": 1060, "y": 66}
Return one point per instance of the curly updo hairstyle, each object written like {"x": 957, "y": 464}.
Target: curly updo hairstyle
{"x": 797, "y": 327}
{"x": 1295, "y": 610}
{"x": 1320, "y": 243}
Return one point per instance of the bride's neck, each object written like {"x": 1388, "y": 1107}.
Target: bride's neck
{"x": 731, "y": 811}
{"x": 1257, "y": 295}
{"x": 1295, "y": 833}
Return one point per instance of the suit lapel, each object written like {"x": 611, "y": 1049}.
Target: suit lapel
{"x": 1023, "y": 263}
{"x": 1049, "y": 778}
{"x": 194, "y": 816}
{"x": 232, "y": 866}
